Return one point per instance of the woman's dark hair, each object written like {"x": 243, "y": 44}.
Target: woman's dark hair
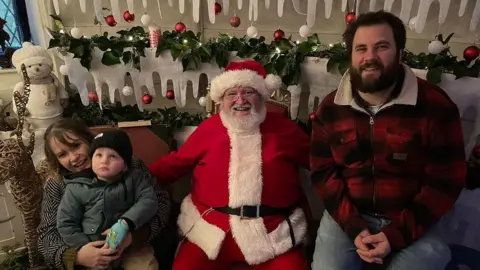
{"x": 61, "y": 131}
{"x": 376, "y": 18}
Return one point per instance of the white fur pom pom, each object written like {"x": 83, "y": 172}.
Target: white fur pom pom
{"x": 273, "y": 82}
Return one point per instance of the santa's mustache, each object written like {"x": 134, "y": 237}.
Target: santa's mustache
{"x": 372, "y": 64}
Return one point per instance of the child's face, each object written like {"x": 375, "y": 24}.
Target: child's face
{"x": 107, "y": 163}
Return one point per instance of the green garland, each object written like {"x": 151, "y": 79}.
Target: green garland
{"x": 282, "y": 57}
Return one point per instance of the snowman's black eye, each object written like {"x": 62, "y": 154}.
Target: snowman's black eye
{"x": 39, "y": 65}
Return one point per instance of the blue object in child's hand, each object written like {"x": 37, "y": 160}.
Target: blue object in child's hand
{"x": 117, "y": 233}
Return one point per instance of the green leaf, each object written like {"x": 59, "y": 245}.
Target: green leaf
{"x": 331, "y": 64}
{"x": 54, "y": 43}
{"x": 127, "y": 57}
{"x": 175, "y": 53}
{"x": 448, "y": 38}
{"x": 434, "y": 75}
{"x": 313, "y": 39}
{"x": 109, "y": 58}
{"x": 77, "y": 51}
{"x": 343, "y": 67}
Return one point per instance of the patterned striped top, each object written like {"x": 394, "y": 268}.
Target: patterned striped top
{"x": 50, "y": 243}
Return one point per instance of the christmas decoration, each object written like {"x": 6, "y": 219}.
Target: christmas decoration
{"x": 180, "y": 27}
{"x": 128, "y": 17}
{"x": 146, "y": 19}
{"x": 471, "y": 53}
{"x": 304, "y": 31}
{"x": 278, "y": 34}
{"x": 170, "y": 94}
{"x": 252, "y": 31}
{"x": 435, "y": 47}
{"x": 92, "y": 97}
{"x": 202, "y": 101}
{"x": 350, "y": 17}
{"x": 127, "y": 90}
{"x": 412, "y": 23}
{"x": 218, "y": 8}
{"x": 110, "y": 20}
{"x": 311, "y": 116}
{"x": 76, "y": 32}
{"x": 147, "y": 99}
{"x": 63, "y": 70}
{"x": 154, "y": 35}
{"x": 235, "y": 21}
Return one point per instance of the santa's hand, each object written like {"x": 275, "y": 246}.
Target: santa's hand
{"x": 116, "y": 234}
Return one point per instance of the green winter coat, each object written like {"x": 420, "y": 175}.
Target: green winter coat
{"x": 90, "y": 206}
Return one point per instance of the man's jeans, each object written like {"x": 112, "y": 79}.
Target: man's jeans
{"x": 335, "y": 251}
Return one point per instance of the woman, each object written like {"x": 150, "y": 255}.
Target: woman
{"x": 67, "y": 151}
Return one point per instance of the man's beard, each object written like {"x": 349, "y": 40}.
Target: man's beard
{"x": 388, "y": 76}
{"x": 244, "y": 122}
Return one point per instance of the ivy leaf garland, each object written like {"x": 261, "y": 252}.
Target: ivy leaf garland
{"x": 282, "y": 57}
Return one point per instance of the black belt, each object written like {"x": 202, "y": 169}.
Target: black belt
{"x": 257, "y": 211}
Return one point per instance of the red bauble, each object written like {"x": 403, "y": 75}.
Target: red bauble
{"x": 351, "y": 16}
{"x": 92, "y": 97}
{"x": 128, "y": 17}
{"x": 147, "y": 99}
{"x": 110, "y": 20}
{"x": 471, "y": 53}
{"x": 180, "y": 27}
{"x": 312, "y": 116}
{"x": 170, "y": 94}
{"x": 235, "y": 21}
{"x": 279, "y": 34}
{"x": 218, "y": 8}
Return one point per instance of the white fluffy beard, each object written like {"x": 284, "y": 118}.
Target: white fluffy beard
{"x": 244, "y": 123}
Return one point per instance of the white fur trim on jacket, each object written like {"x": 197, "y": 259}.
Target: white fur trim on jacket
{"x": 258, "y": 246}
{"x": 245, "y": 78}
{"x": 206, "y": 236}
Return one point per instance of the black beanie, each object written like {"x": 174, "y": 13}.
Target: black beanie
{"x": 116, "y": 140}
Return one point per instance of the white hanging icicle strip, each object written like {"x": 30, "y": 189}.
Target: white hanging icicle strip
{"x": 116, "y": 10}
{"x": 225, "y": 6}
{"x": 131, "y": 6}
{"x": 344, "y": 5}
{"x": 170, "y": 3}
{"x": 267, "y": 4}
{"x": 66, "y": 2}
{"x": 181, "y": 6}
{"x": 462, "y": 8}
{"x": 280, "y": 4}
{"x": 328, "y": 8}
{"x": 253, "y": 10}
{"x": 475, "y": 16}
{"x": 239, "y": 4}
{"x": 423, "y": 8}
{"x": 196, "y": 10}
{"x": 387, "y": 6}
{"x": 311, "y": 12}
{"x": 372, "y": 6}
{"x": 56, "y": 6}
{"x": 145, "y": 4}
{"x": 98, "y": 9}
{"x": 159, "y": 9}
{"x": 357, "y": 7}
{"x": 296, "y": 7}
{"x": 211, "y": 10}
{"x": 83, "y": 5}
{"x": 406, "y": 11}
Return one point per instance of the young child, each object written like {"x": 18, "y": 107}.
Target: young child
{"x": 110, "y": 195}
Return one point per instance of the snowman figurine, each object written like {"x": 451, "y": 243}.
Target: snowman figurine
{"x": 47, "y": 95}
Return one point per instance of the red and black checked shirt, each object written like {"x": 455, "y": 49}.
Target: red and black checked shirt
{"x": 405, "y": 163}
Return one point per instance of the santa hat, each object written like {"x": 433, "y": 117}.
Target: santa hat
{"x": 248, "y": 73}
{"x": 31, "y": 54}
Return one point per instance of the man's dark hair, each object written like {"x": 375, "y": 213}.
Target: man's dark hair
{"x": 376, "y": 18}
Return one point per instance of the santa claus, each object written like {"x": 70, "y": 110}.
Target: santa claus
{"x": 245, "y": 200}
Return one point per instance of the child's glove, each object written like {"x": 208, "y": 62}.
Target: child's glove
{"x": 117, "y": 233}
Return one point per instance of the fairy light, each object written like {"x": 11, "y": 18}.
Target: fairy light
{"x": 277, "y": 50}
{"x": 185, "y": 41}
{"x": 298, "y": 41}
{"x": 129, "y": 38}
{"x": 61, "y": 31}
{"x": 330, "y": 45}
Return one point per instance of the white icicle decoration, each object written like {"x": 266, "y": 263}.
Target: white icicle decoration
{"x": 170, "y": 3}
{"x": 181, "y": 6}
{"x": 225, "y": 6}
{"x": 328, "y": 8}
{"x": 253, "y": 10}
{"x": 267, "y": 4}
{"x": 344, "y": 5}
{"x": 295, "y": 92}
{"x": 296, "y": 7}
{"x": 56, "y": 6}
{"x": 117, "y": 14}
{"x": 423, "y": 8}
{"x": 131, "y": 6}
{"x": 475, "y": 16}
{"x": 159, "y": 9}
{"x": 280, "y": 4}
{"x": 387, "y": 6}
{"x": 211, "y": 10}
{"x": 312, "y": 12}
{"x": 239, "y": 4}
{"x": 66, "y": 2}
{"x": 372, "y": 6}
{"x": 196, "y": 10}
{"x": 462, "y": 8}
{"x": 145, "y": 4}
{"x": 83, "y": 5}
{"x": 97, "y": 7}
{"x": 406, "y": 11}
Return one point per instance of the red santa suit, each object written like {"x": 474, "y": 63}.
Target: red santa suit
{"x": 237, "y": 168}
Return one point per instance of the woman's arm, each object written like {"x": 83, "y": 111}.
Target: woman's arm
{"x": 159, "y": 221}
{"x": 54, "y": 251}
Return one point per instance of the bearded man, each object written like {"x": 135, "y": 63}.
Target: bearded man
{"x": 244, "y": 205}
{"x": 387, "y": 157}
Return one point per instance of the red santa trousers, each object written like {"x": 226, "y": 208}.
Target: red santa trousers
{"x": 191, "y": 257}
